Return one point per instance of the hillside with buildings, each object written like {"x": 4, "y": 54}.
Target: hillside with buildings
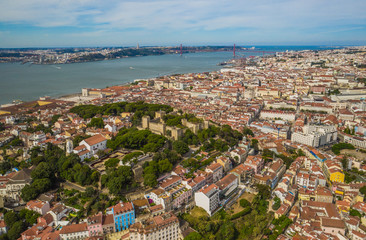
{"x": 273, "y": 148}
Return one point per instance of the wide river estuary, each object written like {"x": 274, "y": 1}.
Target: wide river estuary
{"x": 29, "y": 82}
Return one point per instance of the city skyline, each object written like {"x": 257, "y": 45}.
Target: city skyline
{"x": 39, "y": 23}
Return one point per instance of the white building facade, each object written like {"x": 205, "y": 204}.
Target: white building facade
{"x": 208, "y": 198}
{"x": 268, "y": 114}
{"x": 315, "y": 136}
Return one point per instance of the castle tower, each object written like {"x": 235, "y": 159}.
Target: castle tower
{"x": 160, "y": 114}
{"x": 177, "y": 133}
{"x": 206, "y": 124}
{"x": 163, "y": 129}
{"x": 184, "y": 122}
{"x": 146, "y": 122}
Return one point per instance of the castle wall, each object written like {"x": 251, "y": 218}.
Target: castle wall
{"x": 176, "y": 132}
{"x": 157, "y": 128}
{"x": 195, "y": 127}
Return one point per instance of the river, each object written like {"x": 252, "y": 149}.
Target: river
{"x": 28, "y": 82}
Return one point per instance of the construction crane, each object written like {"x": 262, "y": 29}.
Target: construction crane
{"x": 234, "y": 51}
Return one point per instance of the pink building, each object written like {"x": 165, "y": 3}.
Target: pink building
{"x": 95, "y": 227}
{"x": 332, "y": 226}
{"x": 181, "y": 196}
{"x": 318, "y": 89}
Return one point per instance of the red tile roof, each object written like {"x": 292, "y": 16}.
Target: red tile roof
{"x": 95, "y": 139}
{"x": 169, "y": 181}
{"x": 108, "y": 219}
{"x": 333, "y": 223}
{"x": 73, "y": 228}
{"x": 122, "y": 207}
{"x": 225, "y": 181}
{"x": 206, "y": 190}
{"x": 35, "y": 204}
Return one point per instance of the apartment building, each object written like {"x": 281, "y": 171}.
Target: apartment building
{"x": 161, "y": 227}
{"x": 315, "y": 136}
{"x": 208, "y": 198}
{"x": 124, "y": 215}
{"x": 276, "y": 114}
{"x": 216, "y": 169}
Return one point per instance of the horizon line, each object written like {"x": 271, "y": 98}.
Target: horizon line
{"x": 188, "y": 45}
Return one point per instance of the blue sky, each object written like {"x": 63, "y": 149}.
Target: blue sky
{"x": 63, "y": 23}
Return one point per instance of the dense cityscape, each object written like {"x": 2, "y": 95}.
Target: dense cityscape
{"x": 269, "y": 147}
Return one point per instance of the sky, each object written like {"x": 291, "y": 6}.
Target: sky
{"x": 79, "y": 23}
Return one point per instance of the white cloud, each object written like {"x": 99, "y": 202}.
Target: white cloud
{"x": 213, "y": 15}
{"x": 46, "y": 13}
{"x": 189, "y": 15}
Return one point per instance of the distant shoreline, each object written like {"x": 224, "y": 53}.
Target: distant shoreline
{"x": 80, "y": 55}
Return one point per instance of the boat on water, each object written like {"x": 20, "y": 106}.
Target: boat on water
{"x": 231, "y": 62}
{"x": 223, "y": 64}
{"x": 17, "y": 101}
{"x": 131, "y": 68}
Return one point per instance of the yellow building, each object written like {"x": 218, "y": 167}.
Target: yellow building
{"x": 333, "y": 171}
{"x": 43, "y": 103}
{"x": 225, "y": 163}
{"x": 305, "y": 194}
{"x": 81, "y": 126}
{"x": 343, "y": 206}
{"x": 4, "y": 112}
{"x": 70, "y": 132}
{"x": 339, "y": 192}
{"x": 336, "y": 175}
{"x": 125, "y": 114}
{"x": 358, "y": 198}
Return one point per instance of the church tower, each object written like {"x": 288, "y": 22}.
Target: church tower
{"x": 69, "y": 146}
